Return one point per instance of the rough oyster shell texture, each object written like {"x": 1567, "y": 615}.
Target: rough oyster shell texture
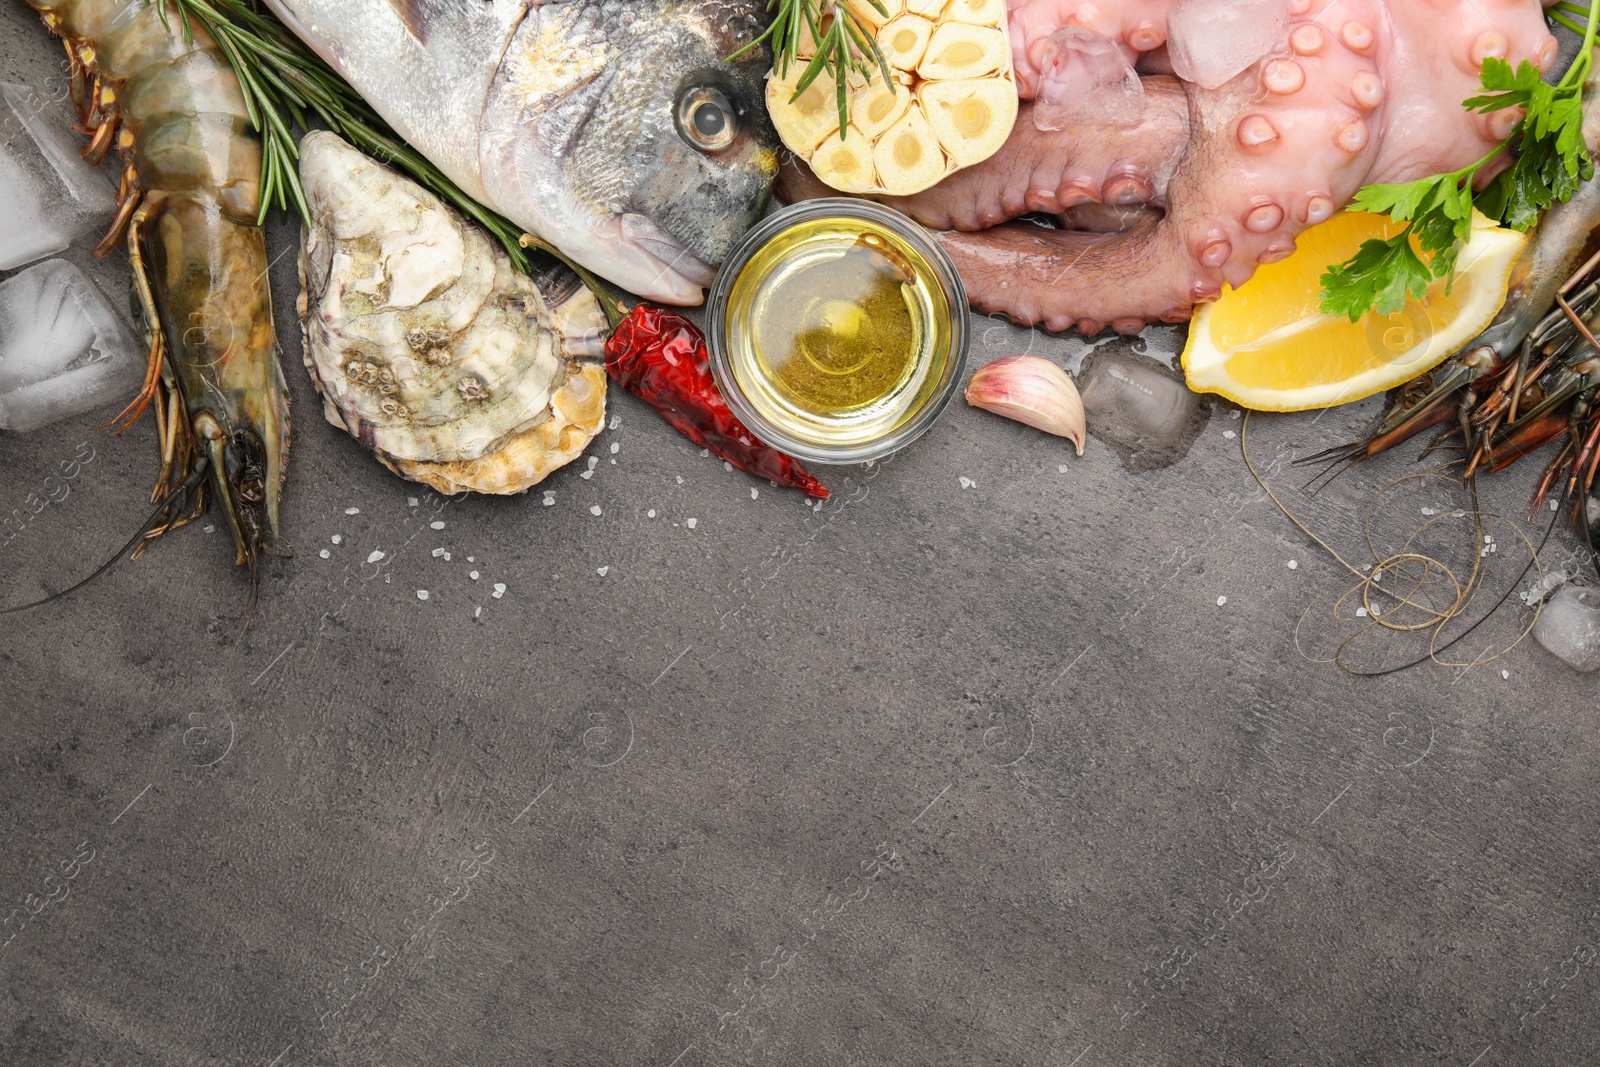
{"x": 428, "y": 347}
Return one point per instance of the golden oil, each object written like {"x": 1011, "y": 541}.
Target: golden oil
{"x": 838, "y": 331}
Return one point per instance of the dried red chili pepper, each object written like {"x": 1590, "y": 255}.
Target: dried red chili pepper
{"x": 660, "y": 357}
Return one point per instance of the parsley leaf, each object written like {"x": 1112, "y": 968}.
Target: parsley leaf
{"x": 1551, "y": 161}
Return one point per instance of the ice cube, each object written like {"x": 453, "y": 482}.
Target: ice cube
{"x": 1209, "y": 42}
{"x": 1085, "y": 78}
{"x": 1141, "y": 408}
{"x": 49, "y": 196}
{"x": 64, "y": 350}
{"x": 1569, "y": 626}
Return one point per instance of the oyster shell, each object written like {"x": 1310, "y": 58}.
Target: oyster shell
{"x": 428, "y": 347}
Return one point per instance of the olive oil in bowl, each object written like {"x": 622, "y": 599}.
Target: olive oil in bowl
{"x": 836, "y": 330}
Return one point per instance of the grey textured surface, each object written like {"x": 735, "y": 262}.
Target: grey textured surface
{"x": 930, "y": 775}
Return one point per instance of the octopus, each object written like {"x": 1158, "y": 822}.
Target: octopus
{"x": 1164, "y": 171}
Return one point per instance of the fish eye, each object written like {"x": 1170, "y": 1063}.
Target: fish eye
{"x": 707, "y": 119}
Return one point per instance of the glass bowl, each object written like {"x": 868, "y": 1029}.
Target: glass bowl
{"x": 794, "y": 286}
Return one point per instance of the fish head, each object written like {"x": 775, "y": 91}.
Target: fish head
{"x": 633, "y": 136}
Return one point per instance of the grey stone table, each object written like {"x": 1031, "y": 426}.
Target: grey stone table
{"x": 971, "y": 764}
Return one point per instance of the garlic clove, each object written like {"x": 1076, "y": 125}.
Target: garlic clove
{"x": 1033, "y": 391}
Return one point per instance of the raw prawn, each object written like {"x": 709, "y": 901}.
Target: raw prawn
{"x": 159, "y": 90}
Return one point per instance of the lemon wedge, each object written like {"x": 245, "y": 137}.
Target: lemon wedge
{"x": 1268, "y": 346}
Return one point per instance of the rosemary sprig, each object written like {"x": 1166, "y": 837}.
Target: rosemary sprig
{"x": 845, "y": 43}
{"x": 285, "y": 83}
{"x": 1551, "y": 160}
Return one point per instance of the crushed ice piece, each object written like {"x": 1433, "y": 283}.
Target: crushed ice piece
{"x": 1221, "y": 600}
{"x": 1209, "y": 42}
{"x": 691, "y": 523}
{"x": 473, "y": 575}
{"x": 549, "y": 499}
{"x": 438, "y": 552}
{"x": 352, "y": 511}
{"x": 615, "y": 448}
{"x": 1544, "y": 587}
{"x": 422, "y": 594}
{"x": 650, "y": 514}
{"x": 337, "y": 538}
{"x": 1140, "y": 407}
{"x": 594, "y": 509}
{"x": 966, "y": 483}
{"x": 49, "y": 195}
{"x": 436, "y": 525}
{"x": 64, "y": 348}
{"x": 754, "y": 493}
{"x": 601, "y": 571}
{"x": 499, "y": 590}
{"x": 376, "y": 555}
{"x": 1084, "y": 76}
{"x": 586, "y": 475}
{"x": 1229, "y": 434}
{"x": 1294, "y": 564}
{"x": 1569, "y": 626}
{"x": 324, "y": 553}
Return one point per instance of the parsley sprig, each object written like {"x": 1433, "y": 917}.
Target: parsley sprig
{"x": 1551, "y": 161}
{"x": 845, "y": 43}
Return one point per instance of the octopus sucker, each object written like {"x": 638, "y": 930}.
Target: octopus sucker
{"x": 453, "y": 368}
{"x": 1221, "y": 176}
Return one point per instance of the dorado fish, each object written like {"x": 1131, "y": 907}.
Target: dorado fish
{"x": 618, "y": 131}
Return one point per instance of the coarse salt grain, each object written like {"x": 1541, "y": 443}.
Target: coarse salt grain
{"x": 499, "y": 590}
{"x": 754, "y": 493}
{"x": 1229, "y": 434}
{"x": 477, "y": 612}
{"x": 691, "y": 523}
{"x": 549, "y": 499}
{"x": 1361, "y": 613}
{"x": 336, "y": 538}
{"x": 210, "y": 528}
{"x": 411, "y": 501}
{"x": 422, "y": 594}
{"x": 1294, "y": 564}
{"x": 1221, "y": 600}
{"x": 436, "y": 525}
{"x": 1505, "y": 674}
{"x": 352, "y": 511}
{"x": 616, "y": 420}
{"x": 473, "y": 575}
{"x": 438, "y": 552}
{"x": 586, "y": 475}
{"x": 1062, "y": 467}
{"x": 324, "y": 553}
{"x": 615, "y": 448}
{"x": 376, "y": 555}
{"x": 680, "y": 479}
{"x": 705, "y": 452}
{"x": 727, "y": 466}
{"x": 966, "y": 483}
{"x": 650, "y": 514}
{"x": 594, "y": 509}
{"x": 592, "y": 460}
{"x": 601, "y": 571}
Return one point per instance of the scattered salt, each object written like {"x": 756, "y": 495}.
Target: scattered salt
{"x": 352, "y": 511}
{"x": 594, "y": 509}
{"x": 691, "y": 523}
{"x": 436, "y": 525}
{"x": 447, "y": 557}
{"x": 411, "y": 501}
{"x": 1221, "y": 600}
{"x": 1229, "y": 434}
{"x": 705, "y": 452}
{"x": 592, "y": 460}
{"x": 1062, "y": 467}
{"x": 1505, "y": 674}
{"x": 1361, "y": 613}
{"x": 422, "y": 594}
{"x": 601, "y": 571}
{"x": 1294, "y": 564}
{"x": 210, "y": 528}
{"x": 616, "y": 420}
{"x": 650, "y": 514}
{"x": 680, "y": 479}
{"x": 477, "y": 612}
{"x": 754, "y": 493}
{"x": 1429, "y": 511}
{"x": 377, "y": 554}
{"x": 1234, "y": 414}
{"x": 473, "y": 575}
{"x": 549, "y": 499}
{"x": 471, "y": 560}
{"x": 727, "y": 466}
{"x": 966, "y": 483}
{"x": 586, "y": 475}
{"x": 499, "y": 590}
{"x": 615, "y": 448}
{"x": 324, "y": 553}
{"x": 438, "y": 552}
{"x": 336, "y": 538}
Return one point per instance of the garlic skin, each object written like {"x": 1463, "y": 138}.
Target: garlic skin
{"x": 1033, "y": 391}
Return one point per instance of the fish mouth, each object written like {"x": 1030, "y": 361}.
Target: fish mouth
{"x": 646, "y": 235}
